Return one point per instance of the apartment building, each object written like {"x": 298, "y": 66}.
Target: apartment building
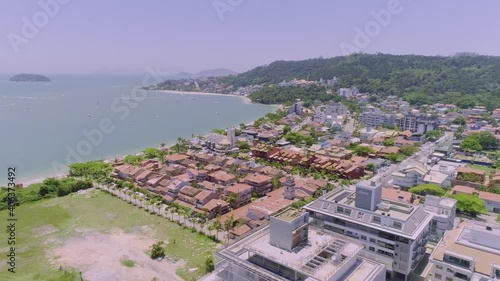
{"x": 410, "y": 176}
{"x": 291, "y": 249}
{"x": 418, "y": 124}
{"x": 470, "y": 252}
{"x": 394, "y": 232}
{"x": 444, "y": 211}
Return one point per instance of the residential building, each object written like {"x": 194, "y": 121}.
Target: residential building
{"x": 418, "y": 124}
{"x": 394, "y": 232}
{"x": 290, "y": 249}
{"x": 373, "y": 117}
{"x": 469, "y": 252}
{"x": 296, "y": 108}
{"x": 435, "y": 177}
{"x": 492, "y": 201}
{"x": 221, "y": 177}
{"x": 348, "y": 92}
{"x": 242, "y": 193}
{"x": 215, "y": 207}
{"x": 260, "y": 183}
{"x": 410, "y": 176}
{"x": 444, "y": 210}
{"x": 335, "y": 109}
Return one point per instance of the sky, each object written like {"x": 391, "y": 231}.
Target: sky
{"x": 126, "y": 36}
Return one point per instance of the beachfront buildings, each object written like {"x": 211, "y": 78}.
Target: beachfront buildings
{"x": 289, "y": 248}
{"x": 394, "y": 232}
{"x": 469, "y": 252}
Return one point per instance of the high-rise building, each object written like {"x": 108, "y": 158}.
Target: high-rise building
{"x": 394, "y": 232}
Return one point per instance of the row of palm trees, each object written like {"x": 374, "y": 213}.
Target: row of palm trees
{"x": 173, "y": 212}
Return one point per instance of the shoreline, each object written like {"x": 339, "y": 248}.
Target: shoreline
{"x": 245, "y": 99}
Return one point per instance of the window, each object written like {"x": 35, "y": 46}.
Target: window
{"x": 376, "y": 219}
{"x": 371, "y": 248}
{"x": 363, "y": 237}
{"x": 397, "y": 225}
{"x": 348, "y": 212}
{"x": 340, "y": 210}
{"x": 438, "y": 276}
{"x": 372, "y": 240}
{"x": 497, "y": 273}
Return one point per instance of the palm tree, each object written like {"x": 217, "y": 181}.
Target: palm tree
{"x": 228, "y": 225}
{"x": 234, "y": 198}
{"x": 216, "y": 225}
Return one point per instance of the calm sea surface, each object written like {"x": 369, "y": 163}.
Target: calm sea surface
{"x": 81, "y": 118}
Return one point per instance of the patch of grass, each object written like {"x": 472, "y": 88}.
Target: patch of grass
{"x": 487, "y": 169}
{"x": 127, "y": 262}
{"x": 103, "y": 213}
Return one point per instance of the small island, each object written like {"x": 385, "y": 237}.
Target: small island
{"x": 29, "y": 78}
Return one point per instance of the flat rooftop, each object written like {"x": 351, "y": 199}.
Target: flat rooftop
{"x": 363, "y": 270}
{"x": 460, "y": 241}
{"x": 289, "y": 214}
{"x": 340, "y": 203}
{"x": 307, "y": 258}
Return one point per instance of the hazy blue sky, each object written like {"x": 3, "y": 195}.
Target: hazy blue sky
{"x": 124, "y": 36}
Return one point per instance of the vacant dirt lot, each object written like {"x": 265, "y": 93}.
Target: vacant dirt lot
{"x": 98, "y": 257}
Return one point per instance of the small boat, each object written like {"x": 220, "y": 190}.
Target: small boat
{"x": 217, "y": 113}
{"x": 89, "y": 115}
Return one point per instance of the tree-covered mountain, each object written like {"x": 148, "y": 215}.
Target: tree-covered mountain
{"x": 464, "y": 79}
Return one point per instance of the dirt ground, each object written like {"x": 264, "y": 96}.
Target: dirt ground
{"x": 98, "y": 256}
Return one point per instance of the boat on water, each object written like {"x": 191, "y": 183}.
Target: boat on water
{"x": 89, "y": 115}
{"x": 217, "y": 113}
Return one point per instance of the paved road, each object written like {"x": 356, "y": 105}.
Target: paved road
{"x": 420, "y": 157}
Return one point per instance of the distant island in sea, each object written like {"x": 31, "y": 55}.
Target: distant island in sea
{"x": 29, "y": 78}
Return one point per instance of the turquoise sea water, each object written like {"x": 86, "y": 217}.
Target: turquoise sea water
{"x": 44, "y": 126}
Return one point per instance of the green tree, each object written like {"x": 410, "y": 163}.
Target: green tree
{"x": 394, "y": 157}
{"x": 460, "y": 120}
{"x": 228, "y": 225}
{"x": 157, "y": 251}
{"x": 244, "y": 146}
{"x": 428, "y": 189}
{"x": 209, "y": 264}
{"x": 470, "y": 204}
{"x": 370, "y": 167}
{"x": 133, "y": 160}
{"x": 275, "y": 182}
{"x": 388, "y": 142}
{"x": 216, "y": 225}
{"x": 362, "y": 150}
{"x": 433, "y": 135}
{"x": 408, "y": 150}
{"x": 152, "y": 152}
{"x": 471, "y": 145}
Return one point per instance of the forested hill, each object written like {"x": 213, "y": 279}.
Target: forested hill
{"x": 420, "y": 79}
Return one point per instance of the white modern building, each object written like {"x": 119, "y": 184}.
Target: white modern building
{"x": 444, "y": 211}
{"x": 290, "y": 249}
{"x": 392, "y": 232}
{"x": 470, "y": 252}
{"x": 410, "y": 176}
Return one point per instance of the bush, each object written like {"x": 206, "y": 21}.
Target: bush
{"x": 209, "y": 264}
{"x": 157, "y": 251}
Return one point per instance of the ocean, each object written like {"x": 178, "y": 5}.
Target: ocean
{"x": 45, "y": 126}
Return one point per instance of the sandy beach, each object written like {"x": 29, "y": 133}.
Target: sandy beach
{"x": 245, "y": 99}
